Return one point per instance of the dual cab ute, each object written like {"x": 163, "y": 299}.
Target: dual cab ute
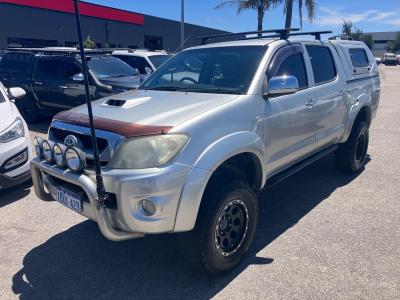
{"x": 216, "y": 123}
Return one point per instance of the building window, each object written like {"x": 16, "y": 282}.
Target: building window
{"x": 30, "y": 43}
{"x": 71, "y": 44}
{"x": 153, "y": 42}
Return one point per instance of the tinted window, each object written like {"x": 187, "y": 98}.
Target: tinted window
{"x": 108, "y": 67}
{"x": 158, "y": 60}
{"x": 136, "y": 62}
{"x": 294, "y": 65}
{"x": 323, "y": 66}
{"x": 49, "y": 69}
{"x": 17, "y": 63}
{"x": 209, "y": 70}
{"x": 359, "y": 58}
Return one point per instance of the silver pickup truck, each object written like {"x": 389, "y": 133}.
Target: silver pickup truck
{"x": 216, "y": 123}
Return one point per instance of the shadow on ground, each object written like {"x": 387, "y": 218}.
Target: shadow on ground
{"x": 80, "y": 263}
{"x": 41, "y": 127}
{"x": 11, "y": 195}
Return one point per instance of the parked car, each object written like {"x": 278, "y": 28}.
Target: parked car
{"x": 215, "y": 124}
{"x": 390, "y": 59}
{"x": 146, "y": 61}
{"x": 53, "y": 78}
{"x": 15, "y": 145}
{"x": 378, "y": 60}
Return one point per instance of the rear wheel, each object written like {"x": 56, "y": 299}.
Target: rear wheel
{"x": 226, "y": 227}
{"x": 351, "y": 156}
{"x": 28, "y": 109}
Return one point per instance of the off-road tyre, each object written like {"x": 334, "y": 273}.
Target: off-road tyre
{"x": 351, "y": 156}
{"x": 225, "y": 226}
{"x": 28, "y": 109}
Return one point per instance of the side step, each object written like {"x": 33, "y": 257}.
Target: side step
{"x": 274, "y": 180}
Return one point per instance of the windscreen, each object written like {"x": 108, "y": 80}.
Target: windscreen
{"x": 158, "y": 60}
{"x": 208, "y": 70}
{"x": 110, "y": 67}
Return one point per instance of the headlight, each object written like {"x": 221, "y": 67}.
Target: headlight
{"x": 148, "y": 152}
{"x": 59, "y": 154}
{"x": 47, "y": 151}
{"x": 38, "y": 143}
{"x": 75, "y": 159}
{"x": 15, "y": 131}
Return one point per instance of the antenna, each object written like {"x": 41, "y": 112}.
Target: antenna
{"x": 101, "y": 193}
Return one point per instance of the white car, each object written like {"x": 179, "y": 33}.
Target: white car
{"x": 146, "y": 61}
{"x": 15, "y": 145}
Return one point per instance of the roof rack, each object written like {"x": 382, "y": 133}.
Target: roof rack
{"x": 59, "y": 51}
{"x": 282, "y": 34}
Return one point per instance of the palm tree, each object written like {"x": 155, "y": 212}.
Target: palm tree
{"x": 288, "y": 10}
{"x": 261, "y": 6}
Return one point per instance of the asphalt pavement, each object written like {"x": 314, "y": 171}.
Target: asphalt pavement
{"x": 321, "y": 235}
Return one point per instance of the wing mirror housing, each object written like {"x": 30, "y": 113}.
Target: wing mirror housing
{"x": 281, "y": 85}
{"x": 78, "y": 77}
{"x": 16, "y": 92}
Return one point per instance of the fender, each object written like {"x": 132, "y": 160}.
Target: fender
{"x": 211, "y": 158}
{"x": 363, "y": 100}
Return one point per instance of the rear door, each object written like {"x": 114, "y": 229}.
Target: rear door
{"x": 329, "y": 107}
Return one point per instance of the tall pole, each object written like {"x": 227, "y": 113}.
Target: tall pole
{"x": 101, "y": 194}
{"x": 182, "y": 24}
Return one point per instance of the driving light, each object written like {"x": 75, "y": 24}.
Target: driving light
{"x": 15, "y": 131}
{"x": 37, "y": 142}
{"x": 148, "y": 152}
{"x": 59, "y": 154}
{"x": 75, "y": 159}
{"x": 47, "y": 147}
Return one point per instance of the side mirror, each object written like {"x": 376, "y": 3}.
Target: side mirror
{"x": 281, "y": 85}
{"x": 148, "y": 70}
{"x": 78, "y": 77}
{"x": 16, "y": 92}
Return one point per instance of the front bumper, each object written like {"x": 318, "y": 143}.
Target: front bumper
{"x": 8, "y": 182}
{"x": 163, "y": 186}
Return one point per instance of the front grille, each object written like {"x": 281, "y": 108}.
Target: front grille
{"x": 59, "y": 136}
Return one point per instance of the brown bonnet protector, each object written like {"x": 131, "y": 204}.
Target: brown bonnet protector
{"x": 126, "y": 129}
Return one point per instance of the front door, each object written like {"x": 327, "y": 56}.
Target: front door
{"x": 54, "y": 85}
{"x": 290, "y": 126}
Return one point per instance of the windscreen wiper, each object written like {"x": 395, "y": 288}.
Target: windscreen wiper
{"x": 212, "y": 90}
{"x": 165, "y": 88}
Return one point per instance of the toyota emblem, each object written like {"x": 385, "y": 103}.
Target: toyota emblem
{"x": 72, "y": 141}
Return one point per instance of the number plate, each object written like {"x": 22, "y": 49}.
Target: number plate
{"x": 69, "y": 199}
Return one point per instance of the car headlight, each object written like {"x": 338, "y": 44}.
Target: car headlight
{"x": 149, "y": 151}
{"x": 15, "y": 131}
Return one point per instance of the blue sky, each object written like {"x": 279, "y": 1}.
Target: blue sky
{"x": 367, "y": 14}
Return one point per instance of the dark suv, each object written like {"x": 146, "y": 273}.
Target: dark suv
{"x": 53, "y": 79}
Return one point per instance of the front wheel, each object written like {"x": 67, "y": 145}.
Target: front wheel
{"x": 28, "y": 110}
{"x": 351, "y": 156}
{"x": 226, "y": 227}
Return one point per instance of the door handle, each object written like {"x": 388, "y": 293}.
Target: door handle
{"x": 311, "y": 102}
{"x": 63, "y": 87}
